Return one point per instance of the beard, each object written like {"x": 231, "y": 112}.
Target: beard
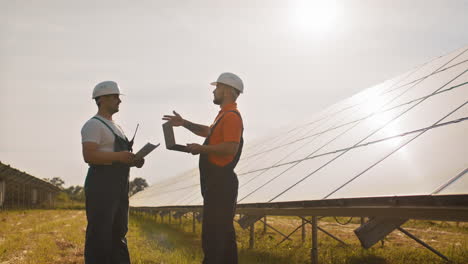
{"x": 218, "y": 101}
{"x": 114, "y": 110}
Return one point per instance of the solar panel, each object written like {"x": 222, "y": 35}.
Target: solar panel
{"x": 457, "y": 186}
{"x": 320, "y": 182}
{"x": 418, "y": 168}
{"x": 405, "y": 136}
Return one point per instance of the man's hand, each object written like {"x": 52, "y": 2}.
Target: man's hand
{"x": 175, "y": 120}
{"x": 126, "y": 157}
{"x": 195, "y": 149}
{"x": 138, "y": 163}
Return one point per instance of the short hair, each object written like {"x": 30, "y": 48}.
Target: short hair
{"x": 97, "y": 100}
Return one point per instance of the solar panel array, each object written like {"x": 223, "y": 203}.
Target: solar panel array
{"x": 406, "y": 136}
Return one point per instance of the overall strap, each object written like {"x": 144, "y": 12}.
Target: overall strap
{"x": 113, "y": 132}
{"x": 235, "y": 112}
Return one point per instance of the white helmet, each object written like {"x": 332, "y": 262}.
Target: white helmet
{"x": 105, "y": 88}
{"x": 230, "y": 79}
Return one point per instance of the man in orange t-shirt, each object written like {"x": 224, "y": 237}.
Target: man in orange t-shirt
{"x": 219, "y": 155}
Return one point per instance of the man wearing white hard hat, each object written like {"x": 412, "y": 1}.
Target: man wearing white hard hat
{"x": 109, "y": 155}
{"x": 219, "y": 155}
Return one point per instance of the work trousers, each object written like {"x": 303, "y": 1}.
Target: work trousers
{"x": 219, "y": 205}
{"x": 106, "y": 191}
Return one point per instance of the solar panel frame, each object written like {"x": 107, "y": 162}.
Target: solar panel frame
{"x": 308, "y": 168}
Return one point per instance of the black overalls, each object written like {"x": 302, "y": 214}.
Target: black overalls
{"x": 219, "y": 190}
{"x": 106, "y": 190}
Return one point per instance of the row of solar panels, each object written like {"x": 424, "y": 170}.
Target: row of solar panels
{"x": 17, "y": 177}
{"x": 406, "y": 136}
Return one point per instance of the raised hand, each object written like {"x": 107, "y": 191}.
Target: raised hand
{"x": 175, "y": 120}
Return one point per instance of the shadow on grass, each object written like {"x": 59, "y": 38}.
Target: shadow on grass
{"x": 171, "y": 236}
{"x": 368, "y": 259}
{"x": 167, "y": 236}
{"x": 252, "y": 256}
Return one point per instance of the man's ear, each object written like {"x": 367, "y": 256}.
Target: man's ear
{"x": 235, "y": 93}
{"x": 98, "y": 100}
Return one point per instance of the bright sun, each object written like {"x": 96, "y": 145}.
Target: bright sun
{"x": 314, "y": 16}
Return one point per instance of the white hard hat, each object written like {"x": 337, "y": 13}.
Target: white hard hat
{"x": 105, "y": 88}
{"x": 230, "y": 79}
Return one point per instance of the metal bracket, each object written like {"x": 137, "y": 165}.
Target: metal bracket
{"x": 376, "y": 229}
{"x": 306, "y": 221}
{"x": 247, "y": 220}
{"x": 422, "y": 243}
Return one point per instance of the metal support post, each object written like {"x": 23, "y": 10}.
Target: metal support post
{"x": 314, "y": 250}
{"x": 332, "y": 236}
{"x": 252, "y": 236}
{"x": 276, "y": 230}
{"x": 264, "y": 224}
{"x": 422, "y": 243}
{"x": 294, "y": 231}
{"x": 193, "y": 222}
{"x": 324, "y": 231}
{"x": 303, "y": 231}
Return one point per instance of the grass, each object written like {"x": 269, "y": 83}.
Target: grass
{"x": 57, "y": 236}
{"x": 41, "y": 236}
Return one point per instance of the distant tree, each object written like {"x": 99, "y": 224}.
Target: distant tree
{"x": 137, "y": 185}
{"x": 57, "y": 181}
{"x": 63, "y": 197}
{"x": 76, "y": 193}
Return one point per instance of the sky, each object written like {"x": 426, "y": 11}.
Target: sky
{"x": 295, "y": 58}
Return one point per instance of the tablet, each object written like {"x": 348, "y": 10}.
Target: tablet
{"x": 171, "y": 144}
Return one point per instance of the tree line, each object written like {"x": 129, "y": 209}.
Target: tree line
{"x": 76, "y": 192}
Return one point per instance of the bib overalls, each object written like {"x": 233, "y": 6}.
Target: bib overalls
{"x": 219, "y": 187}
{"x": 106, "y": 191}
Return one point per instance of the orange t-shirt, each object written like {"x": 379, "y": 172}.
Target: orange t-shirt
{"x": 229, "y": 129}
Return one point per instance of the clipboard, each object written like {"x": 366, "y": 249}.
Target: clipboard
{"x": 145, "y": 150}
{"x": 169, "y": 137}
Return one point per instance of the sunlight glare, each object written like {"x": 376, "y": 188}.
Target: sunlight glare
{"x": 314, "y": 16}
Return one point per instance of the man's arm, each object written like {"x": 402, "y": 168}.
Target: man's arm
{"x": 176, "y": 120}
{"x": 197, "y": 129}
{"x": 232, "y": 133}
{"x": 222, "y": 149}
{"x": 91, "y": 155}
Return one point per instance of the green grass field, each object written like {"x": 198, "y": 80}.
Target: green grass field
{"x": 57, "y": 236}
